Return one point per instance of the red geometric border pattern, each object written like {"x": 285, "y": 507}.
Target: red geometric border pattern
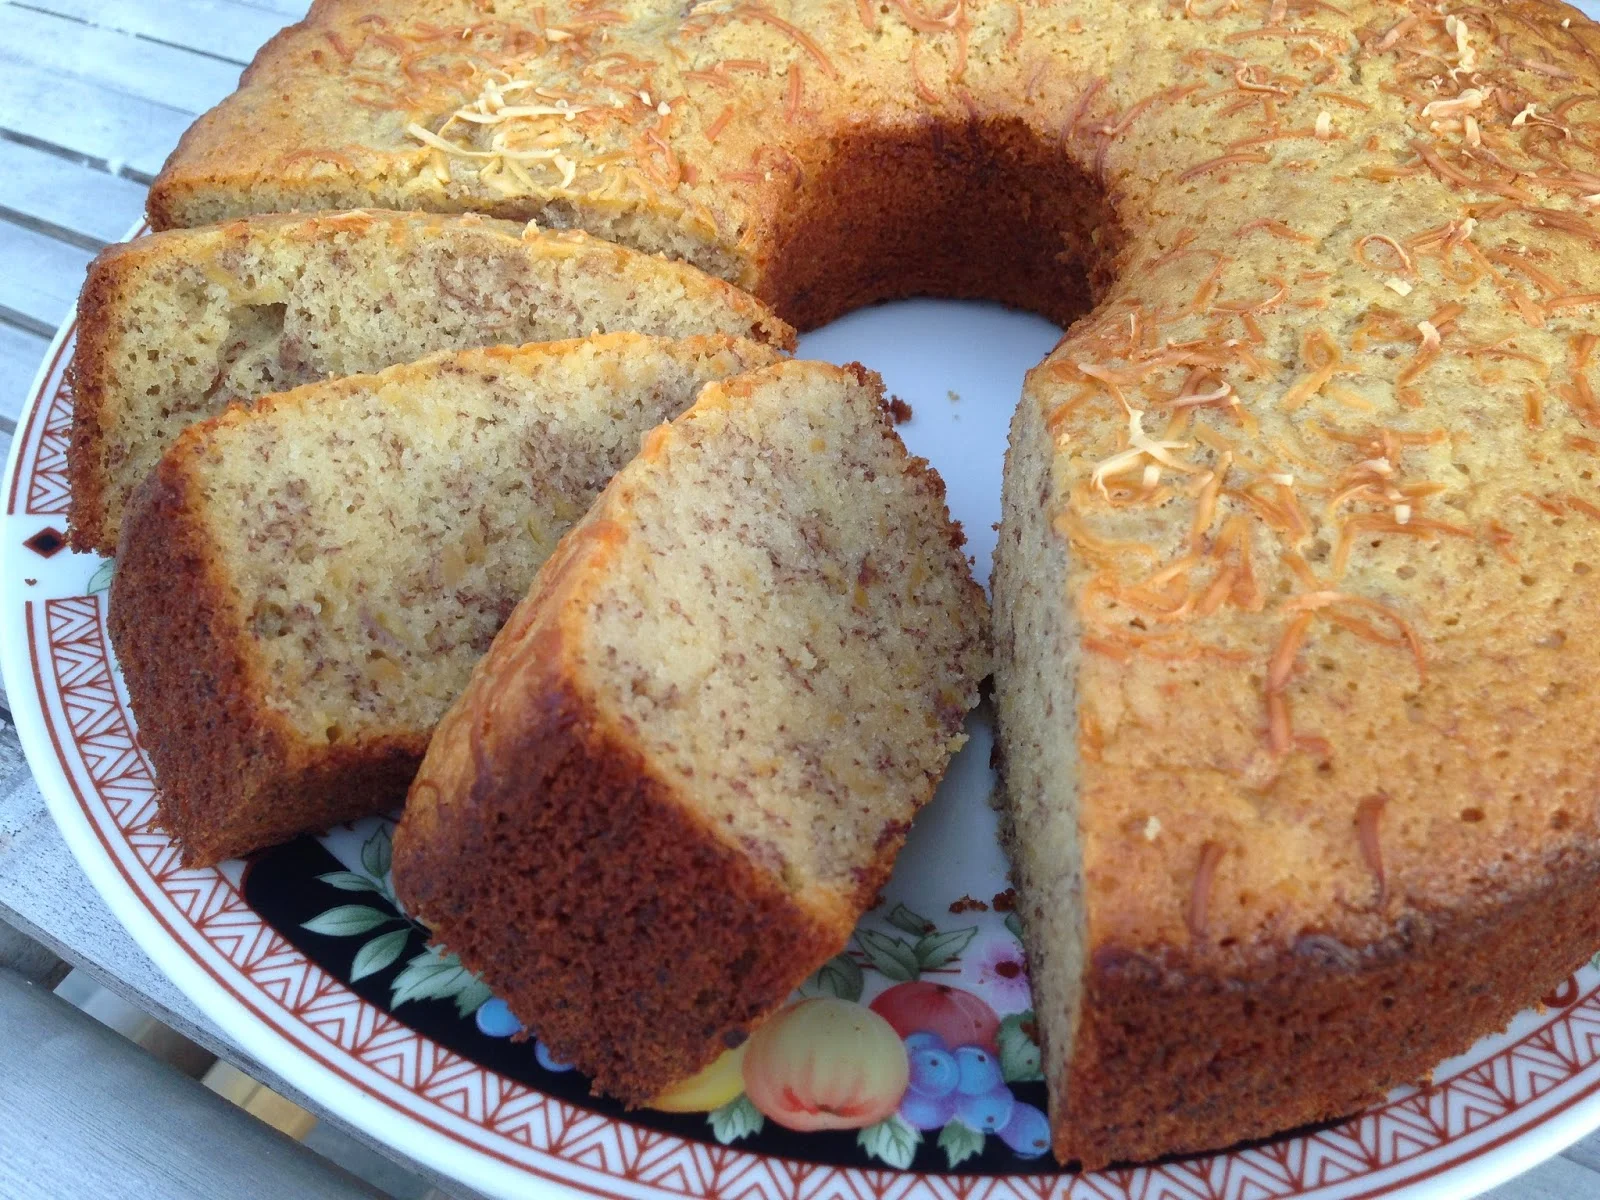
{"x": 47, "y": 486}
{"x": 519, "y": 1125}
{"x": 46, "y": 472}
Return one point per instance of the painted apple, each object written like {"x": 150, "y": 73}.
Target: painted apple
{"x": 711, "y": 1088}
{"x": 958, "y": 1018}
{"x": 825, "y": 1063}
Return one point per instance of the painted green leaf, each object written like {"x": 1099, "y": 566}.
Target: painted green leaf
{"x": 938, "y": 949}
{"x": 890, "y": 955}
{"x": 1020, "y": 1060}
{"x": 376, "y": 853}
{"x": 348, "y": 919}
{"x": 892, "y": 1140}
{"x": 840, "y": 976}
{"x": 348, "y": 881}
{"x": 431, "y": 975}
{"x": 472, "y": 997}
{"x": 378, "y": 953}
{"x": 915, "y": 924}
{"x": 736, "y": 1119}
{"x": 959, "y": 1141}
{"x": 1014, "y": 924}
{"x": 100, "y": 581}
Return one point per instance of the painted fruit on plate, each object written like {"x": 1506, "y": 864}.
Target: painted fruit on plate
{"x": 825, "y": 1063}
{"x": 710, "y": 1089}
{"x": 956, "y": 1017}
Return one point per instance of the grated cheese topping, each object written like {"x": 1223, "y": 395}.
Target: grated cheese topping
{"x": 1140, "y": 445}
{"x": 1468, "y": 100}
{"x": 1466, "y": 56}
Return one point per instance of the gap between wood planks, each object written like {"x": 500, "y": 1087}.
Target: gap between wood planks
{"x": 71, "y": 49}
{"x": 230, "y": 31}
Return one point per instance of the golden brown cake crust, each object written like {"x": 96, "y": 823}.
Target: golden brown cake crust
{"x": 627, "y": 879}
{"x": 1316, "y": 1030}
{"x": 195, "y": 688}
{"x": 88, "y": 376}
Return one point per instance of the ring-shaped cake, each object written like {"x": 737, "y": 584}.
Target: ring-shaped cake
{"x": 1295, "y": 669}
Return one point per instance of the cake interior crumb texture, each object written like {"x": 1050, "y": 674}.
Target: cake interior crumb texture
{"x": 381, "y": 537}
{"x": 179, "y": 325}
{"x": 778, "y": 625}
{"x": 769, "y": 618}
{"x": 363, "y": 540}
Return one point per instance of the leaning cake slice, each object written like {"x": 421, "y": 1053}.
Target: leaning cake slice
{"x": 174, "y": 327}
{"x": 304, "y": 586}
{"x": 685, "y": 766}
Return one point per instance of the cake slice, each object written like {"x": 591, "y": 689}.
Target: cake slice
{"x": 304, "y": 586}
{"x": 174, "y": 327}
{"x": 684, "y": 768}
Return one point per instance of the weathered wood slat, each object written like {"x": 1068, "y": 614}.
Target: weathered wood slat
{"x": 67, "y": 195}
{"x": 294, "y": 9}
{"x": 42, "y": 275}
{"x": 227, "y": 30}
{"x": 148, "y": 70}
{"x": 20, "y": 355}
{"x": 45, "y": 895}
{"x": 5, "y": 450}
{"x": 81, "y": 1098}
{"x": 1556, "y": 1178}
{"x": 86, "y": 118}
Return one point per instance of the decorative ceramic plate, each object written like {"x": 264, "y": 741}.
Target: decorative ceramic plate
{"x": 303, "y": 956}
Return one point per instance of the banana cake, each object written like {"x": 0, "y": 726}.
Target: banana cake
{"x": 172, "y": 328}
{"x": 685, "y": 766}
{"x": 303, "y": 586}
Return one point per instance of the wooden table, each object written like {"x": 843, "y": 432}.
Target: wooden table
{"x": 93, "y": 95}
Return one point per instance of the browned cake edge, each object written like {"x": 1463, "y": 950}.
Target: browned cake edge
{"x": 165, "y": 199}
{"x": 1311, "y": 1033}
{"x": 635, "y": 942}
{"x": 231, "y": 775}
{"x": 87, "y": 376}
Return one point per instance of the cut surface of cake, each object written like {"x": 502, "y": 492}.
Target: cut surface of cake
{"x": 685, "y": 766}
{"x": 172, "y": 328}
{"x": 304, "y": 585}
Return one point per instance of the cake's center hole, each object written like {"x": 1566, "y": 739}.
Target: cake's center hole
{"x": 977, "y": 210}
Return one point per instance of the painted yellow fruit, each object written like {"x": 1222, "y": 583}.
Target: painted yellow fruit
{"x": 826, "y": 1064}
{"x": 711, "y": 1088}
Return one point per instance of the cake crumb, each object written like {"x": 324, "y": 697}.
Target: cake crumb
{"x": 955, "y": 397}
{"x": 969, "y": 904}
{"x": 899, "y": 410}
{"x": 1005, "y": 901}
